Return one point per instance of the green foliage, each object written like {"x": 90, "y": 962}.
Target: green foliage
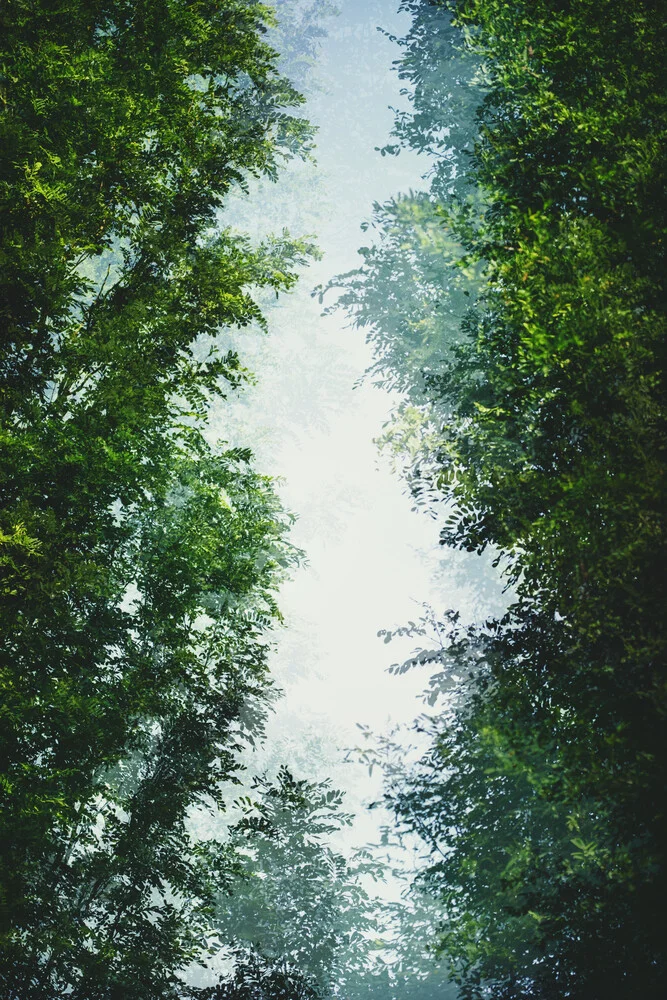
{"x": 302, "y": 913}
{"x": 536, "y": 424}
{"x": 167, "y": 678}
{"x": 540, "y": 819}
{"x": 409, "y": 294}
{"x": 299, "y": 901}
{"x": 258, "y": 978}
{"x": 138, "y": 565}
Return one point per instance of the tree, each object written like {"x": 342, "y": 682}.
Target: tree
{"x": 139, "y": 565}
{"x": 305, "y": 914}
{"x": 541, "y": 433}
{"x": 299, "y": 901}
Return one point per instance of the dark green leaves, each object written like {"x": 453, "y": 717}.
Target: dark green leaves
{"x": 139, "y": 566}
{"x": 534, "y": 422}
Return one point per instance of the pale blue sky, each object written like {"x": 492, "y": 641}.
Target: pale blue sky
{"x": 370, "y": 558}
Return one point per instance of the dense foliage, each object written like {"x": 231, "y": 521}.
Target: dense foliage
{"x": 518, "y": 305}
{"x": 534, "y": 421}
{"x": 138, "y": 564}
{"x": 298, "y": 901}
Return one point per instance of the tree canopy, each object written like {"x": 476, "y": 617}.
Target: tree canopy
{"x": 533, "y": 421}
{"x": 517, "y": 305}
{"x": 138, "y": 564}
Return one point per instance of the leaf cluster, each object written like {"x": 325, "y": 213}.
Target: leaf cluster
{"x": 139, "y": 565}
{"x": 534, "y": 422}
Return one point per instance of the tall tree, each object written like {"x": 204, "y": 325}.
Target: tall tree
{"x": 541, "y": 431}
{"x": 138, "y": 564}
{"x": 300, "y": 901}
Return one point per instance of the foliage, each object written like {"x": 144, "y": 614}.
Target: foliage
{"x": 306, "y": 909}
{"x": 542, "y": 852}
{"x": 258, "y": 978}
{"x": 409, "y": 294}
{"x": 537, "y": 425}
{"x": 299, "y": 900}
{"x": 297, "y": 35}
{"x": 138, "y": 564}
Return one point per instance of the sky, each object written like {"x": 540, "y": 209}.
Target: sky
{"x": 371, "y": 560}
